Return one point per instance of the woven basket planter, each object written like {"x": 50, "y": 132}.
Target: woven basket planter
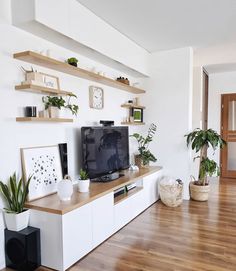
{"x": 199, "y": 192}
{"x": 171, "y": 195}
{"x": 139, "y": 162}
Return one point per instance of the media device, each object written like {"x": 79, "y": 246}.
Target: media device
{"x": 105, "y": 151}
{"x": 64, "y": 159}
{"x": 23, "y": 249}
{"x": 107, "y": 122}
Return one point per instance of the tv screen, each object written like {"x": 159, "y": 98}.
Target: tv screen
{"x": 104, "y": 149}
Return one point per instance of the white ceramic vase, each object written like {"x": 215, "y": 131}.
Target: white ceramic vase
{"x": 17, "y": 222}
{"x": 65, "y": 189}
{"x": 83, "y": 185}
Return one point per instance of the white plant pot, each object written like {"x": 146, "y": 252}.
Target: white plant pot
{"x": 17, "y": 222}
{"x": 83, "y": 185}
{"x": 54, "y": 112}
{"x": 65, "y": 190}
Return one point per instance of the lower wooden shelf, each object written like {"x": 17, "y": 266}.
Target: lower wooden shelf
{"x": 36, "y": 119}
{"x": 132, "y": 123}
{"x": 128, "y": 194}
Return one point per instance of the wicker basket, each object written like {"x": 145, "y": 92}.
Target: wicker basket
{"x": 199, "y": 192}
{"x": 171, "y": 195}
{"x": 139, "y": 162}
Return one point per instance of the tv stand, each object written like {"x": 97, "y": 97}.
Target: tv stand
{"x": 108, "y": 178}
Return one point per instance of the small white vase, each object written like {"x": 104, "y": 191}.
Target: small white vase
{"x": 83, "y": 185}
{"x": 54, "y": 112}
{"x": 17, "y": 222}
{"x": 65, "y": 189}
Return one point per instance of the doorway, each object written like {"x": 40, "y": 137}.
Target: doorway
{"x": 228, "y": 133}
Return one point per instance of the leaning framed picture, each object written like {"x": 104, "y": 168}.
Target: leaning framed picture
{"x": 51, "y": 81}
{"x": 44, "y": 165}
{"x": 137, "y": 114}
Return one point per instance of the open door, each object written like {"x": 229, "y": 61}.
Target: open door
{"x": 228, "y": 132}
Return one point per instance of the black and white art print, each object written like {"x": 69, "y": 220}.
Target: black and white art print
{"x": 44, "y": 165}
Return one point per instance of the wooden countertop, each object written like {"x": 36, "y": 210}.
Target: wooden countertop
{"x": 52, "y": 203}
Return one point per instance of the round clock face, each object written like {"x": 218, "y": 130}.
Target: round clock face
{"x": 96, "y": 97}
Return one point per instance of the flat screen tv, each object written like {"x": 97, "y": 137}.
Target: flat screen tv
{"x": 105, "y": 150}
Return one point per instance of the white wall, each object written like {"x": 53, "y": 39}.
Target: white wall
{"x": 219, "y": 83}
{"x": 15, "y": 135}
{"x": 169, "y": 105}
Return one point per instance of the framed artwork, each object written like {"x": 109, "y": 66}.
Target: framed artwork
{"x": 51, "y": 81}
{"x": 44, "y": 165}
{"x": 137, "y": 114}
{"x": 96, "y": 97}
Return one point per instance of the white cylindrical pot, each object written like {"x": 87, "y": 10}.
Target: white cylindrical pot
{"x": 17, "y": 222}
{"x": 65, "y": 189}
{"x": 54, "y": 112}
{"x": 83, "y": 185}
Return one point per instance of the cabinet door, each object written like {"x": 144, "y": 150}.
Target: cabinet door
{"x": 122, "y": 213}
{"x": 137, "y": 203}
{"x": 150, "y": 184}
{"x": 77, "y": 234}
{"x": 103, "y": 218}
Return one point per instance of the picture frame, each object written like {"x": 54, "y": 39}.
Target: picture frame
{"x": 137, "y": 114}
{"x": 51, "y": 81}
{"x": 44, "y": 165}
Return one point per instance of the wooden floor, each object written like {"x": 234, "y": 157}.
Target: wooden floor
{"x": 196, "y": 236}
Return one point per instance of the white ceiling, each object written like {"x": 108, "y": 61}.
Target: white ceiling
{"x": 168, "y": 24}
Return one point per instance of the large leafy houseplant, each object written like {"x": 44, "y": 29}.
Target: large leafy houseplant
{"x": 200, "y": 141}
{"x": 143, "y": 145}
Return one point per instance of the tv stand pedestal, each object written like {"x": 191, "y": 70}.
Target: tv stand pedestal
{"x": 70, "y": 230}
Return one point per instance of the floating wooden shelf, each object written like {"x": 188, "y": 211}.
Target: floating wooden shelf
{"x": 38, "y": 59}
{"x": 132, "y": 123}
{"x": 41, "y": 89}
{"x": 124, "y": 196}
{"x": 132, "y": 106}
{"x": 36, "y": 119}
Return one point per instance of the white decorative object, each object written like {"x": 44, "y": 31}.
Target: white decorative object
{"x": 65, "y": 189}
{"x": 54, "y": 112}
{"x": 17, "y": 222}
{"x": 83, "y": 185}
{"x": 96, "y": 97}
{"x": 44, "y": 164}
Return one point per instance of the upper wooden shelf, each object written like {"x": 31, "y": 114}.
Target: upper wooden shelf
{"x": 52, "y": 203}
{"x": 38, "y": 119}
{"x": 38, "y": 59}
{"x": 132, "y": 123}
{"x": 41, "y": 89}
{"x": 132, "y": 106}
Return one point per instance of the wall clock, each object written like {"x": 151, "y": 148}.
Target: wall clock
{"x": 96, "y": 97}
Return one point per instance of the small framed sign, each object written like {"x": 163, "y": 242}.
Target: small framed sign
{"x": 137, "y": 114}
{"x": 51, "y": 81}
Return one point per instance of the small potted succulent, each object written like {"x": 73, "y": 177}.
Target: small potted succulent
{"x": 145, "y": 156}
{"x": 15, "y": 194}
{"x": 72, "y": 61}
{"x": 200, "y": 141}
{"x": 84, "y": 181}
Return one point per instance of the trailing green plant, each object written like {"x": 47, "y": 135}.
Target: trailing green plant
{"x": 83, "y": 175}
{"x": 201, "y": 140}
{"x": 143, "y": 144}
{"x": 15, "y": 194}
{"x": 74, "y": 108}
{"x": 58, "y": 102}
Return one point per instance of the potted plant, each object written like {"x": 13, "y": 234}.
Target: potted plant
{"x": 145, "y": 156}
{"x": 201, "y": 140}
{"x": 72, "y": 61}
{"x": 15, "y": 194}
{"x": 84, "y": 181}
{"x": 54, "y": 105}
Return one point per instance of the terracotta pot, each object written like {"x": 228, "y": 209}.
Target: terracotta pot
{"x": 139, "y": 162}
{"x": 199, "y": 192}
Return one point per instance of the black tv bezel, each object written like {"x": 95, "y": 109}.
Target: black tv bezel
{"x": 104, "y": 174}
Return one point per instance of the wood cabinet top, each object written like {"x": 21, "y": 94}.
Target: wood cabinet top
{"x": 52, "y": 203}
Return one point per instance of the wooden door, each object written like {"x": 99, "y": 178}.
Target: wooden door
{"x": 228, "y": 132}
